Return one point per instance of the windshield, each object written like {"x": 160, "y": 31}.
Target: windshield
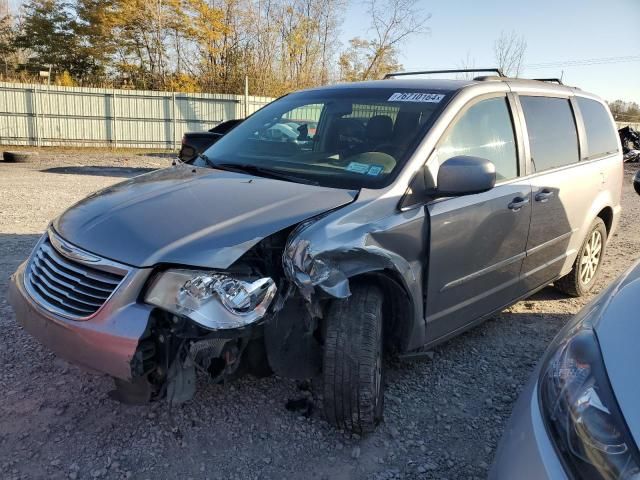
{"x": 345, "y": 138}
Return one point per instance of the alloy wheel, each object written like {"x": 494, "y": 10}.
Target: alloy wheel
{"x": 591, "y": 256}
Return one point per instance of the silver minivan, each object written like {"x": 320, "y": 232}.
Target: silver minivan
{"x": 330, "y": 227}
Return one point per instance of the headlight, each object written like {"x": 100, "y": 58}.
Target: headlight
{"x": 212, "y": 299}
{"x": 581, "y": 412}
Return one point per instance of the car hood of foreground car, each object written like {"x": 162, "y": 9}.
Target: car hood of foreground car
{"x": 190, "y": 216}
{"x": 618, "y": 330}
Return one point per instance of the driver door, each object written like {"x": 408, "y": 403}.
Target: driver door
{"x": 477, "y": 242}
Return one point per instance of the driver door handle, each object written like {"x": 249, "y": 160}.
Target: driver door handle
{"x": 518, "y": 203}
{"x": 543, "y": 195}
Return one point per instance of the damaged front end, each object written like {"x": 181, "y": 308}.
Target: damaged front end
{"x": 320, "y": 265}
{"x": 265, "y": 312}
{"x": 207, "y": 321}
{"x": 324, "y": 256}
{"x": 173, "y": 350}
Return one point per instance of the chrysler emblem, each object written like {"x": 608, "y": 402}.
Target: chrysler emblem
{"x": 71, "y": 252}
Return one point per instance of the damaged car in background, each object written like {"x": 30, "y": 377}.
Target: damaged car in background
{"x": 630, "y": 140}
{"x": 392, "y": 216}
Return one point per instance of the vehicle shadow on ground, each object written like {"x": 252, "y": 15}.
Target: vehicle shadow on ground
{"x": 548, "y": 293}
{"x": 101, "y": 171}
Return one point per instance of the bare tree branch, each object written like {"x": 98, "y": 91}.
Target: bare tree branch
{"x": 509, "y": 50}
{"x": 392, "y": 22}
{"x": 467, "y": 63}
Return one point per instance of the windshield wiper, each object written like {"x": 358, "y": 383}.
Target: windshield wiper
{"x": 261, "y": 171}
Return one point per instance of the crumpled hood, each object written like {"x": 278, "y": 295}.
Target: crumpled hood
{"x": 617, "y": 327}
{"x": 190, "y": 216}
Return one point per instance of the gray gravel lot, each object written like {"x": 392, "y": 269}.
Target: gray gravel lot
{"x": 443, "y": 419}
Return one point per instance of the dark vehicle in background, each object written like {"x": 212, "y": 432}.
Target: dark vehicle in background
{"x": 195, "y": 143}
{"x": 630, "y": 140}
{"x": 332, "y": 226}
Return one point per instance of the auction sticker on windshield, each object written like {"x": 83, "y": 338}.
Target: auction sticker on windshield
{"x": 365, "y": 168}
{"x": 356, "y": 167}
{"x": 416, "y": 97}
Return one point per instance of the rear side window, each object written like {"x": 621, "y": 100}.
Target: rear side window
{"x": 486, "y": 131}
{"x": 601, "y": 137}
{"x": 552, "y": 132}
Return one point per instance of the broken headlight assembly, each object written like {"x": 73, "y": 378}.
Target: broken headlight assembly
{"x": 211, "y": 299}
{"x": 580, "y": 410}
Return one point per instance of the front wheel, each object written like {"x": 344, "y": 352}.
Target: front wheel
{"x": 352, "y": 361}
{"x": 586, "y": 268}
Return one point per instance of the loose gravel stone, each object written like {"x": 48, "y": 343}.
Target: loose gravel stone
{"x": 355, "y": 453}
{"x": 441, "y": 419}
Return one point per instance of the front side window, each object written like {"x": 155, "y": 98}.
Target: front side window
{"x": 347, "y": 138}
{"x": 553, "y": 138}
{"x": 601, "y": 136}
{"x": 485, "y": 130}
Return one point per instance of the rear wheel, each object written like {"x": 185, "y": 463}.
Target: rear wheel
{"x": 352, "y": 362}
{"x": 586, "y": 268}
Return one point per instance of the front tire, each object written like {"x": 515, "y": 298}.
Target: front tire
{"x": 352, "y": 361}
{"x": 586, "y": 268}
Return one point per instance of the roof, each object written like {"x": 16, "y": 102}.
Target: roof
{"x": 448, "y": 85}
{"x": 421, "y": 83}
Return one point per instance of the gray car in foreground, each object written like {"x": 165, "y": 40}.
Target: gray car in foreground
{"x": 392, "y": 216}
{"x": 578, "y": 417}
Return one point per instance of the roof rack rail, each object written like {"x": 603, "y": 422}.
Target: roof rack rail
{"x": 550, "y": 80}
{"x": 455, "y": 70}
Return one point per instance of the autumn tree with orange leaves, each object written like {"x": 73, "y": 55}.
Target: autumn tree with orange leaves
{"x": 207, "y": 45}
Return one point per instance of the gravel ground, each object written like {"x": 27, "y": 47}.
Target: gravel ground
{"x": 443, "y": 419}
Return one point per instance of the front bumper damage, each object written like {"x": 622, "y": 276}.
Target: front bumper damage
{"x": 106, "y": 343}
{"x": 154, "y": 352}
{"x": 135, "y": 343}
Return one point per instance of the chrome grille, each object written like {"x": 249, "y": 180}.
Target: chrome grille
{"x": 69, "y": 287}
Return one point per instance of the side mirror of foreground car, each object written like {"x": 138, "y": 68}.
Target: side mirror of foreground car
{"x": 465, "y": 175}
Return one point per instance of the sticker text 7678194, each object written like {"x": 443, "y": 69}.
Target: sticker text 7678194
{"x": 416, "y": 97}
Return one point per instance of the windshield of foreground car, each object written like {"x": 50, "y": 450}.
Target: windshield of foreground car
{"x": 338, "y": 137}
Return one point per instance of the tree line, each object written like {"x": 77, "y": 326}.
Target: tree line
{"x": 625, "y": 111}
{"x": 203, "y": 45}
{"x": 211, "y": 45}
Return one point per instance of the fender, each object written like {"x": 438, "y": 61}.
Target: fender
{"x": 325, "y": 254}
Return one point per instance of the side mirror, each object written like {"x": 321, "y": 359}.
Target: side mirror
{"x": 465, "y": 175}
{"x": 457, "y": 176}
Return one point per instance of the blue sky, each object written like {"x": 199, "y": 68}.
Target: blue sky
{"x": 555, "y": 31}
